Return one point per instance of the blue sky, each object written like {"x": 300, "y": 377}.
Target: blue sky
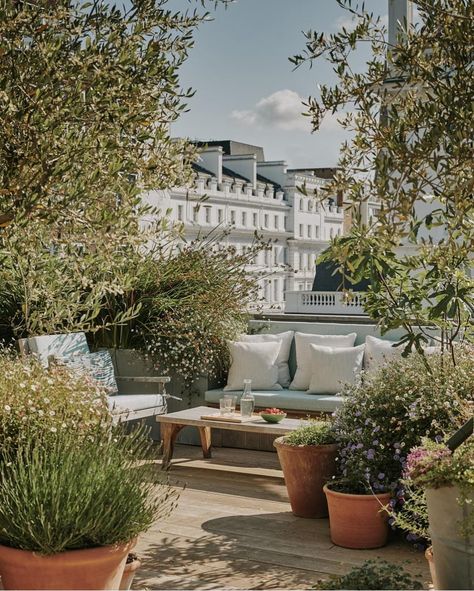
{"x": 247, "y": 90}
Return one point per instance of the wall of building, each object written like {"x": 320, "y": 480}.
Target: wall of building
{"x": 236, "y": 191}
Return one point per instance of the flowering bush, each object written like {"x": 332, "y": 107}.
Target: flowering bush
{"x": 434, "y": 465}
{"x": 388, "y": 413}
{"x": 35, "y": 402}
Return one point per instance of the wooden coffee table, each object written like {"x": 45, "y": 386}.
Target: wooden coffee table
{"x": 172, "y": 423}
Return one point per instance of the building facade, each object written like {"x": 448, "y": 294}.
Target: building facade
{"x": 237, "y": 189}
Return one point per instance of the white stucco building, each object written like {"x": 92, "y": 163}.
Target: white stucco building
{"x": 235, "y": 187}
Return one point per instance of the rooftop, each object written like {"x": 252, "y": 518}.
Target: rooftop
{"x": 233, "y": 529}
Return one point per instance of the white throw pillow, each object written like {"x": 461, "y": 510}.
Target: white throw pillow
{"x": 303, "y": 353}
{"x": 379, "y": 351}
{"x": 285, "y": 338}
{"x": 333, "y": 367}
{"x": 253, "y": 361}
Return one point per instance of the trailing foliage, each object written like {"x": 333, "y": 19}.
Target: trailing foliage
{"x": 314, "y": 433}
{"x": 80, "y": 493}
{"x": 409, "y": 114}
{"x": 372, "y": 575}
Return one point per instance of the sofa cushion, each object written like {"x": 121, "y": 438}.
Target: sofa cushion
{"x": 334, "y": 367}
{"x": 303, "y": 354}
{"x": 286, "y": 339}
{"x": 296, "y": 400}
{"x": 379, "y": 351}
{"x": 253, "y": 361}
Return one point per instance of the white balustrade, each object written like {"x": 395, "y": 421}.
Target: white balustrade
{"x": 324, "y": 302}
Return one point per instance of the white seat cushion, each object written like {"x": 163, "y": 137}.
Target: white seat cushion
{"x": 303, "y": 354}
{"x": 334, "y": 367}
{"x": 286, "y": 400}
{"x": 253, "y": 361}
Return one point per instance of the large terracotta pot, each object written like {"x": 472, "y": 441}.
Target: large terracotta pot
{"x": 306, "y": 469}
{"x": 357, "y": 521}
{"x": 129, "y": 574}
{"x": 453, "y": 552}
{"x": 90, "y": 568}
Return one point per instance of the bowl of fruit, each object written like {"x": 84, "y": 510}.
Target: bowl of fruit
{"x": 272, "y": 415}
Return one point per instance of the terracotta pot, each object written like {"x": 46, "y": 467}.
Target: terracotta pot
{"x": 356, "y": 521}
{"x": 128, "y": 574}
{"x": 306, "y": 469}
{"x": 430, "y": 559}
{"x": 91, "y": 568}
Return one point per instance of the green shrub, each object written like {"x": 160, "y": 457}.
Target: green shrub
{"x": 372, "y": 575}
{"x": 315, "y": 433}
{"x": 36, "y": 403}
{"x": 393, "y": 409}
{"x": 70, "y": 494}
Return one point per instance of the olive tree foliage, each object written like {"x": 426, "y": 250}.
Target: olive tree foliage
{"x": 410, "y": 117}
{"x": 88, "y": 91}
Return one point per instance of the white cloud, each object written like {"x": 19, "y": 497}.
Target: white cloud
{"x": 282, "y": 109}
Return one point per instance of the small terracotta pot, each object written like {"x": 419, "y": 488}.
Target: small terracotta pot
{"x": 430, "y": 559}
{"x": 128, "y": 574}
{"x": 90, "y": 568}
{"x": 306, "y": 469}
{"x": 357, "y": 521}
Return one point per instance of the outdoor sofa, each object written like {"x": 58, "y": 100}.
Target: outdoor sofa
{"x": 299, "y": 403}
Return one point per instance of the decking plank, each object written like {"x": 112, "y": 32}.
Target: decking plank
{"x": 233, "y": 529}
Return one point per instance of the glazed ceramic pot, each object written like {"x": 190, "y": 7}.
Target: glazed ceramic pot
{"x": 357, "y": 521}
{"x": 306, "y": 469}
{"x": 90, "y": 568}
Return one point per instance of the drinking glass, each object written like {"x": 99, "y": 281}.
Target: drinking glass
{"x": 224, "y": 406}
{"x": 232, "y": 401}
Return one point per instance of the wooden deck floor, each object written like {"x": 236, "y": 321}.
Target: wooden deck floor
{"x": 233, "y": 529}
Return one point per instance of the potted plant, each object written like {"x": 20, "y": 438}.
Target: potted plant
{"x": 308, "y": 460}
{"x": 72, "y": 498}
{"x": 448, "y": 480}
{"x": 382, "y": 418}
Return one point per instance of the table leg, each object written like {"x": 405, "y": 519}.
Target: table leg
{"x": 205, "y": 434}
{"x": 169, "y": 431}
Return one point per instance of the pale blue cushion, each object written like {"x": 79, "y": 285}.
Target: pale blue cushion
{"x": 58, "y": 345}
{"x": 297, "y": 400}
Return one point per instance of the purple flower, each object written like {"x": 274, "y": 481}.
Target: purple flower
{"x": 359, "y": 446}
{"x": 380, "y": 475}
{"x": 371, "y": 454}
{"x": 375, "y": 442}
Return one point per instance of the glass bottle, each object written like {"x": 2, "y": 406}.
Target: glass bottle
{"x": 247, "y": 402}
